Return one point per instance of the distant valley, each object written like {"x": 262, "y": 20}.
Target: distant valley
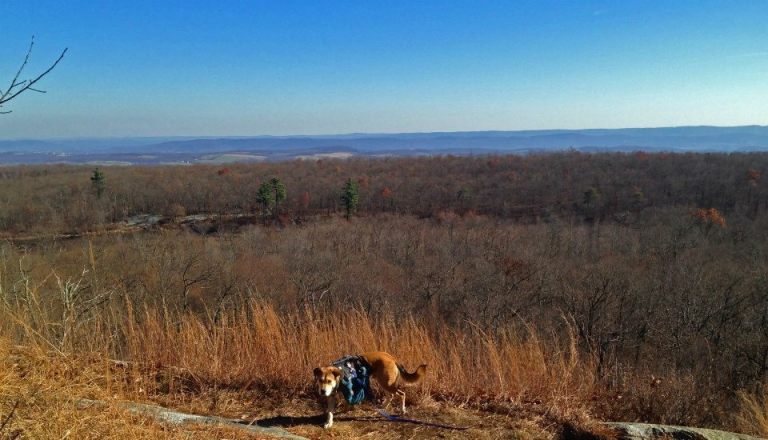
{"x": 222, "y": 150}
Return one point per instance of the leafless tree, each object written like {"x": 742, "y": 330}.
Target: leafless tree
{"x": 17, "y": 87}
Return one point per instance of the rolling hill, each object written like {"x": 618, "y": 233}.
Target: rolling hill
{"x": 188, "y": 150}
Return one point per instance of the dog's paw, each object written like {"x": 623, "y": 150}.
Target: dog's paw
{"x": 328, "y": 421}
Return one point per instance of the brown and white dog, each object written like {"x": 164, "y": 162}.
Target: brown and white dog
{"x": 390, "y": 375}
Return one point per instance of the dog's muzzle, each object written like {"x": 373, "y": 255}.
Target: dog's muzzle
{"x": 325, "y": 391}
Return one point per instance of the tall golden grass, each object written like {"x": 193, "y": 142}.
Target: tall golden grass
{"x": 753, "y": 414}
{"x": 69, "y": 349}
{"x": 257, "y": 347}
{"x": 40, "y": 398}
{"x": 62, "y": 340}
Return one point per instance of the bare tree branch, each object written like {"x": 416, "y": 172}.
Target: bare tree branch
{"x": 17, "y": 87}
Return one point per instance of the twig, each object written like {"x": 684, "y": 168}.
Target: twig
{"x": 13, "y": 89}
{"x": 10, "y": 415}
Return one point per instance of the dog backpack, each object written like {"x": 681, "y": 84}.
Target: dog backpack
{"x": 355, "y": 380}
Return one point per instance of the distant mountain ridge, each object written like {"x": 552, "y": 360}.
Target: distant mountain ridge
{"x": 140, "y": 150}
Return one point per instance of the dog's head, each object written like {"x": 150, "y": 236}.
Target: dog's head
{"x": 327, "y": 380}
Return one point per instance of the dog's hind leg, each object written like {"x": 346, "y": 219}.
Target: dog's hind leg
{"x": 387, "y": 401}
{"x": 401, "y": 393}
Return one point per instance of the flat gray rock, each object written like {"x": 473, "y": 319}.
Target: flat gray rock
{"x": 647, "y": 431}
{"x": 178, "y": 418}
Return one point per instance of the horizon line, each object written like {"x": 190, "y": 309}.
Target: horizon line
{"x": 372, "y": 133}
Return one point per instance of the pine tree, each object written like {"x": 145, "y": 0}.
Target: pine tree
{"x": 263, "y": 197}
{"x": 350, "y": 197}
{"x": 97, "y": 180}
{"x": 278, "y": 189}
{"x": 270, "y": 195}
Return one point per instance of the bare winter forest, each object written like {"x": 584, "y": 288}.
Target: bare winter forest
{"x": 569, "y": 287}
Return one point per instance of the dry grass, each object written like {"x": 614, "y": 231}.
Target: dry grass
{"x": 39, "y": 399}
{"x": 66, "y": 327}
{"x": 258, "y": 348}
{"x": 55, "y": 354}
{"x": 753, "y": 413}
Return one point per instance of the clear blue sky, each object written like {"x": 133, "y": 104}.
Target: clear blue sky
{"x": 192, "y": 67}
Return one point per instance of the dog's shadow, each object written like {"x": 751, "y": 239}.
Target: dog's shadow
{"x": 316, "y": 420}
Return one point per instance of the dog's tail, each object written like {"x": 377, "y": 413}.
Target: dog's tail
{"x": 415, "y": 377}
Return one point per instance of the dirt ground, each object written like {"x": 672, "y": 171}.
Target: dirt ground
{"x": 364, "y": 422}
{"x": 302, "y": 416}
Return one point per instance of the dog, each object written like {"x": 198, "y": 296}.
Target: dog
{"x": 390, "y": 375}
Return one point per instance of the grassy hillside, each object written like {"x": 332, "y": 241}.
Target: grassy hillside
{"x": 537, "y": 327}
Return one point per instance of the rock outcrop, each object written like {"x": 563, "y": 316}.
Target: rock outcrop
{"x": 646, "y": 431}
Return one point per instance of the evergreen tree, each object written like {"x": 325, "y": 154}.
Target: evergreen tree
{"x": 264, "y": 198}
{"x": 270, "y": 195}
{"x": 278, "y": 190}
{"x": 97, "y": 180}
{"x": 350, "y": 197}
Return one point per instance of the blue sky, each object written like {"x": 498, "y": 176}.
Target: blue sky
{"x": 156, "y": 68}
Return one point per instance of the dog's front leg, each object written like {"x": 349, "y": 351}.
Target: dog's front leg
{"x": 329, "y": 408}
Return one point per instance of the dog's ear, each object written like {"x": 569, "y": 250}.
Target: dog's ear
{"x": 318, "y": 372}
{"x": 337, "y": 372}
